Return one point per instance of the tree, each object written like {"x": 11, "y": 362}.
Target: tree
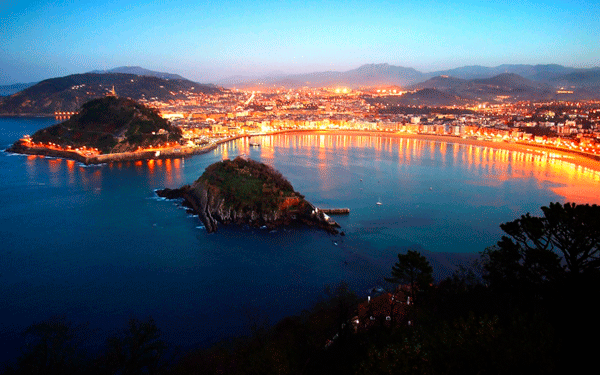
{"x": 138, "y": 350}
{"x": 570, "y": 230}
{"x": 413, "y": 269}
{"x": 551, "y": 264}
{"x": 52, "y": 347}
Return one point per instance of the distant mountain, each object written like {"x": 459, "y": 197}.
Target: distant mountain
{"x": 139, "y": 71}
{"x": 384, "y": 74}
{"x": 11, "y": 89}
{"x": 510, "y": 82}
{"x": 443, "y": 82}
{"x": 532, "y": 72}
{"x": 584, "y": 78}
{"x": 70, "y": 92}
{"x": 365, "y": 75}
{"x": 503, "y": 86}
{"x": 424, "y": 97}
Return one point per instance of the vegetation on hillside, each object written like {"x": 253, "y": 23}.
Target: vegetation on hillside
{"x": 246, "y": 185}
{"x": 112, "y": 125}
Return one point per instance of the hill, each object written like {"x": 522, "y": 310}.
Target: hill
{"x": 139, "y": 71}
{"x": 589, "y": 78}
{"x": 67, "y": 94}
{"x": 111, "y": 125}
{"x": 370, "y": 75}
{"x": 505, "y": 86}
{"x": 423, "y": 97}
{"x": 244, "y": 191}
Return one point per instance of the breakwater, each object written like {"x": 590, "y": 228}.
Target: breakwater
{"x": 336, "y": 211}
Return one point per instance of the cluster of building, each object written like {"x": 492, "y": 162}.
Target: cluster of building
{"x": 203, "y": 118}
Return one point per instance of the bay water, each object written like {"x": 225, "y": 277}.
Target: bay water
{"x": 94, "y": 244}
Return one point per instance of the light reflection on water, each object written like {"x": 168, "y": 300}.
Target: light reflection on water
{"x": 94, "y": 241}
{"x": 489, "y": 166}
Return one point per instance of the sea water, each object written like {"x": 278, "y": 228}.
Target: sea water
{"x": 95, "y": 244}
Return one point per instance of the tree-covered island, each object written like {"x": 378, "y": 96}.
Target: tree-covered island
{"x": 244, "y": 191}
{"x": 109, "y": 125}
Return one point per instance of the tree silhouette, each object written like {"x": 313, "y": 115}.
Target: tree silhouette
{"x": 52, "y": 347}
{"x": 138, "y": 350}
{"x": 551, "y": 264}
{"x": 413, "y": 269}
{"x": 570, "y": 230}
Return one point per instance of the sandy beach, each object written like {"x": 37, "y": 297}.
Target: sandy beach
{"x": 577, "y": 158}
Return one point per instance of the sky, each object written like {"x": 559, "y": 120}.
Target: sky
{"x": 209, "y": 40}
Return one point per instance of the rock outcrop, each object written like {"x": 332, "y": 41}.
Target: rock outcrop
{"x": 243, "y": 191}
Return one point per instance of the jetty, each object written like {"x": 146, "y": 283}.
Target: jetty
{"x": 335, "y": 211}
{"x": 322, "y": 214}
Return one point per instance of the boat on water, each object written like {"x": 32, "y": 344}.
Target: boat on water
{"x": 379, "y": 202}
{"x": 254, "y": 144}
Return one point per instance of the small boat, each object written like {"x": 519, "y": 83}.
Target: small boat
{"x": 254, "y": 144}
{"x": 379, "y": 202}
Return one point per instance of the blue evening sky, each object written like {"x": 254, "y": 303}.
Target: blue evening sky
{"x": 208, "y": 40}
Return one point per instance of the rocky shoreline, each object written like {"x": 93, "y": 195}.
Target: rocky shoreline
{"x": 211, "y": 211}
{"x": 258, "y": 196}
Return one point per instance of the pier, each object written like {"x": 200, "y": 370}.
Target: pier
{"x": 335, "y": 211}
{"x": 322, "y": 214}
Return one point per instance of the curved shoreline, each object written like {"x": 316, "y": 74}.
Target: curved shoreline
{"x": 572, "y": 156}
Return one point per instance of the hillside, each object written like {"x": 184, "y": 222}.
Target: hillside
{"x": 423, "y": 97}
{"x": 139, "y": 71}
{"x": 111, "y": 125}
{"x": 67, "y": 94}
{"x": 505, "y": 86}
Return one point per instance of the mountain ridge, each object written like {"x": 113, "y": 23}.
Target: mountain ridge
{"x": 67, "y": 94}
{"x": 376, "y": 74}
{"x": 139, "y": 71}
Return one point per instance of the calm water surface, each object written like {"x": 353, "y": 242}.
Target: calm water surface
{"x": 94, "y": 243}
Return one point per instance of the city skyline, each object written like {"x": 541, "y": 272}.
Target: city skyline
{"x": 208, "y": 42}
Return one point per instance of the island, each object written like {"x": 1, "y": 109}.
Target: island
{"x": 244, "y": 191}
{"x": 108, "y": 129}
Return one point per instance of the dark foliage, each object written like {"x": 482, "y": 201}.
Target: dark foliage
{"x": 412, "y": 269}
{"x": 137, "y": 350}
{"x": 52, "y": 347}
{"x": 104, "y": 123}
{"x": 247, "y": 185}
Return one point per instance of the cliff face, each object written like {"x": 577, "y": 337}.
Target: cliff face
{"x": 245, "y": 192}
